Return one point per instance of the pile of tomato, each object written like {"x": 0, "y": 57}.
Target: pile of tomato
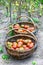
{"x": 25, "y": 28}
{"x": 21, "y": 44}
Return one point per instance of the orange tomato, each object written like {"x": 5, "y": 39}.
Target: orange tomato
{"x": 28, "y": 44}
{"x": 26, "y": 48}
{"x": 14, "y": 45}
{"x": 16, "y": 26}
{"x": 31, "y": 45}
{"x": 23, "y": 30}
{"x": 26, "y": 26}
{"x": 30, "y": 29}
{"x": 20, "y": 44}
{"x": 20, "y": 40}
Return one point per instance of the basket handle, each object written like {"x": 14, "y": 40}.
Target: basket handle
{"x": 26, "y": 17}
{"x": 29, "y": 33}
{"x": 33, "y": 35}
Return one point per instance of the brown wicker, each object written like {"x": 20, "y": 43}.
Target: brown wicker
{"x": 28, "y": 33}
{"x": 18, "y": 54}
{"x": 31, "y": 23}
{"x": 29, "y": 18}
{"x": 28, "y": 23}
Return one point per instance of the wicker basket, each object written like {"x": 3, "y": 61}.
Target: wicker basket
{"x": 30, "y": 23}
{"x": 18, "y": 54}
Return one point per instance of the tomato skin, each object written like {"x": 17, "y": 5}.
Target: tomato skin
{"x": 14, "y": 45}
{"x": 30, "y": 29}
{"x": 20, "y": 40}
{"x": 17, "y": 49}
{"x": 28, "y": 44}
{"x": 20, "y": 44}
{"x": 26, "y": 48}
{"x": 23, "y": 30}
{"x": 22, "y": 25}
{"x": 12, "y": 48}
{"x": 31, "y": 45}
{"x": 26, "y": 26}
{"x": 21, "y": 49}
{"x": 16, "y": 26}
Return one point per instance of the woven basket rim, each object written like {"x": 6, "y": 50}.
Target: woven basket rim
{"x": 20, "y": 35}
{"x": 35, "y": 26}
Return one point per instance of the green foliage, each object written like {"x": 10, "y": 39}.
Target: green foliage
{"x": 4, "y": 2}
{"x": 36, "y": 20}
{"x": 7, "y": 14}
{"x": 14, "y": 16}
{"x": 34, "y": 63}
{"x": 5, "y": 57}
{"x": 27, "y": 1}
{"x": 11, "y": 33}
{"x": 41, "y": 1}
{"x": 30, "y": 5}
{"x": 1, "y": 49}
{"x": 36, "y": 4}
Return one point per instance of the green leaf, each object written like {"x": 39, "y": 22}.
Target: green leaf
{"x": 27, "y": 1}
{"x": 5, "y": 57}
{"x": 36, "y": 20}
{"x": 1, "y": 49}
{"x": 14, "y": 16}
{"x": 11, "y": 33}
{"x": 34, "y": 63}
{"x": 41, "y": 1}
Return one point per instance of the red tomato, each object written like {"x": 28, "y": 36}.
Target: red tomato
{"x": 30, "y": 29}
{"x": 28, "y": 44}
{"x": 26, "y": 26}
{"x": 20, "y": 44}
{"x": 23, "y": 30}
{"x": 12, "y": 48}
{"x": 26, "y": 48}
{"x": 31, "y": 45}
{"x": 14, "y": 45}
{"x": 16, "y": 26}
{"x": 20, "y": 40}
{"x": 17, "y": 49}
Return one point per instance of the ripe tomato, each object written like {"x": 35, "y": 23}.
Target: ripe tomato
{"x": 26, "y": 48}
{"x": 28, "y": 44}
{"x": 12, "y": 48}
{"x": 29, "y": 41}
{"x": 14, "y": 45}
{"x": 31, "y": 45}
{"x": 23, "y": 30}
{"x": 20, "y": 40}
{"x": 16, "y": 26}
{"x": 30, "y": 29}
{"x": 20, "y": 44}
{"x": 17, "y": 49}
{"x": 26, "y": 26}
